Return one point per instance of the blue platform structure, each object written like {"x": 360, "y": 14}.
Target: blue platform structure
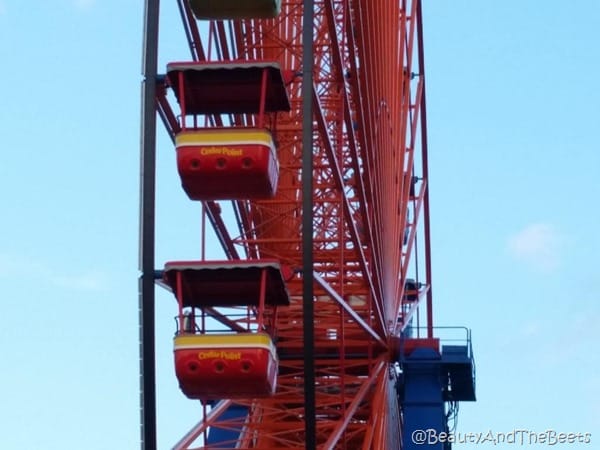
{"x": 432, "y": 379}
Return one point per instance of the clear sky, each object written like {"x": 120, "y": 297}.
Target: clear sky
{"x": 514, "y": 126}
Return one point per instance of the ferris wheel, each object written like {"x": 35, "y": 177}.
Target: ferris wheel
{"x": 314, "y": 139}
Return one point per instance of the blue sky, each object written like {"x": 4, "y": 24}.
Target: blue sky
{"x": 513, "y": 115}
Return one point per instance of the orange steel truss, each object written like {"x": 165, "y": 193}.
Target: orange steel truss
{"x": 370, "y": 170}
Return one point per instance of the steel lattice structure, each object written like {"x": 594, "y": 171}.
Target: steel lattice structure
{"x": 370, "y": 210}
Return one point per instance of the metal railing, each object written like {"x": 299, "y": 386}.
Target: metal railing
{"x": 450, "y": 335}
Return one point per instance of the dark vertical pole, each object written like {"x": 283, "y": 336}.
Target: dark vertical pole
{"x": 147, "y": 233}
{"x": 425, "y": 164}
{"x": 307, "y": 225}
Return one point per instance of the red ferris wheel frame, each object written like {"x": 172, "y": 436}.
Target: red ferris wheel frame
{"x": 369, "y": 197}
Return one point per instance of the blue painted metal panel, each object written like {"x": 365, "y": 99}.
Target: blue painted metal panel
{"x": 422, "y": 401}
{"x": 428, "y": 380}
{"x": 226, "y": 437}
{"x": 458, "y": 364}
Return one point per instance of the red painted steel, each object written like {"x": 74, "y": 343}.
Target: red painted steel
{"x": 370, "y": 195}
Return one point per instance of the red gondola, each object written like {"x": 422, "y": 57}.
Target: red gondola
{"x": 233, "y": 162}
{"x": 235, "y": 9}
{"x": 241, "y": 362}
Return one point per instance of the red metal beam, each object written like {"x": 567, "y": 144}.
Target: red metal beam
{"x": 337, "y": 178}
{"x": 425, "y": 166}
{"x": 346, "y": 307}
{"x": 201, "y": 426}
{"x": 362, "y": 176}
{"x": 165, "y": 111}
{"x": 351, "y": 410}
{"x": 191, "y": 31}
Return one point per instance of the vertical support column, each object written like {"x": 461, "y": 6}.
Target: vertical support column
{"x": 181, "y": 88}
{"x": 263, "y": 98}
{"x": 307, "y": 226}
{"x": 147, "y": 228}
{"x": 262, "y": 300}
{"x": 425, "y": 168}
{"x": 423, "y": 407}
